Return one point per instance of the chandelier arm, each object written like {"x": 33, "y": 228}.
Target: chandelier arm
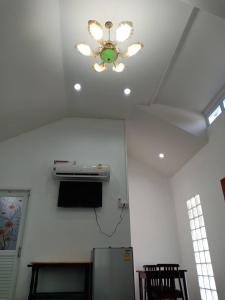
{"x": 96, "y": 53}
{"x": 100, "y": 42}
{"x": 123, "y": 54}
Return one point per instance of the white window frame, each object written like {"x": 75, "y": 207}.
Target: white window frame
{"x": 203, "y": 262}
{"x": 215, "y": 114}
{"x": 219, "y": 105}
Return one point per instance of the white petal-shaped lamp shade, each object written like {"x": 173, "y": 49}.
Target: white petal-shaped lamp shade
{"x": 118, "y": 67}
{"x": 124, "y": 31}
{"x": 85, "y": 50}
{"x": 99, "y": 67}
{"x": 95, "y": 29}
{"x": 133, "y": 49}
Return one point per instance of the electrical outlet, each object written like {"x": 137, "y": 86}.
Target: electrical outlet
{"x": 122, "y": 203}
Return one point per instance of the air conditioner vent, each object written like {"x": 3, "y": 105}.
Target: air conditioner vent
{"x": 65, "y": 170}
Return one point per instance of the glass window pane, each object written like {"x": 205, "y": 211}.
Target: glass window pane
{"x": 203, "y": 294}
{"x": 195, "y": 245}
{"x": 190, "y": 214}
{"x": 208, "y": 295}
{"x": 192, "y": 224}
{"x": 202, "y": 257}
{"x": 203, "y": 232}
{"x": 201, "y": 282}
{"x": 214, "y": 295}
{"x": 197, "y": 257}
{"x": 198, "y": 234}
{"x": 189, "y": 204}
{"x": 204, "y": 270}
{"x": 200, "y": 245}
{"x": 197, "y": 199}
{"x": 197, "y": 225}
{"x": 212, "y": 283}
{"x": 199, "y": 209}
{"x": 194, "y": 236}
{"x": 215, "y": 114}
{"x": 206, "y": 282}
{"x": 205, "y": 244}
{"x": 207, "y": 257}
{"x": 201, "y": 221}
{"x": 195, "y": 212}
{"x": 210, "y": 270}
{"x": 199, "y": 269}
{"x": 193, "y": 203}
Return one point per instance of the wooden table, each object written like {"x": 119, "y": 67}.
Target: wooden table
{"x": 37, "y": 265}
{"x": 178, "y": 274}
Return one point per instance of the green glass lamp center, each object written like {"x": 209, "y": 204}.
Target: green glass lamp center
{"x": 109, "y": 55}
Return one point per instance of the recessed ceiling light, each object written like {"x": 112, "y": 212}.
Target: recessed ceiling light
{"x": 161, "y": 155}
{"x": 77, "y": 87}
{"x": 127, "y": 91}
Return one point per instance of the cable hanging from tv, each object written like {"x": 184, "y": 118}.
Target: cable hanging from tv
{"x": 109, "y": 235}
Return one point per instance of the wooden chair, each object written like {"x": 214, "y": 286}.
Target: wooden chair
{"x": 170, "y": 282}
{"x": 148, "y": 268}
{"x": 162, "y": 284}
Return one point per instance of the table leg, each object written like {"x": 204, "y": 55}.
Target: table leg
{"x": 32, "y": 283}
{"x": 185, "y": 287}
{"x": 140, "y": 287}
{"x": 87, "y": 283}
{"x": 36, "y": 279}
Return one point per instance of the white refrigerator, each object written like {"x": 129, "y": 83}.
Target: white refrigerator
{"x": 113, "y": 274}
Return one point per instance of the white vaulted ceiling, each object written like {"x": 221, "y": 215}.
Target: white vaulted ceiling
{"x": 31, "y": 70}
{"x": 159, "y": 24}
{"x": 173, "y": 79}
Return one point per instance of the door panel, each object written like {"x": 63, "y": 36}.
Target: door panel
{"x": 12, "y": 217}
{"x": 7, "y": 265}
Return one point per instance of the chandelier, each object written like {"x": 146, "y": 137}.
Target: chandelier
{"x": 108, "y": 50}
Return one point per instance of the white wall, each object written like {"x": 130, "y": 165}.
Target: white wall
{"x": 202, "y": 176}
{"x": 153, "y": 220}
{"x": 56, "y": 233}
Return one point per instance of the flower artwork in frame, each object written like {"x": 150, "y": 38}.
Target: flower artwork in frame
{"x": 10, "y": 215}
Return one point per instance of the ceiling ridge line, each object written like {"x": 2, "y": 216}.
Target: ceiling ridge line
{"x": 62, "y": 50}
{"x": 177, "y": 51}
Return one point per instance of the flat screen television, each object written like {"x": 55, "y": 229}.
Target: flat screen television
{"x": 80, "y": 194}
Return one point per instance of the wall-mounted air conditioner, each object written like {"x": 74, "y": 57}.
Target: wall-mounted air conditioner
{"x": 67, "y": 170}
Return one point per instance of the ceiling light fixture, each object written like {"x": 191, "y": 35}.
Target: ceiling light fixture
{"x": 161, "y": 155}
{"x": 127, "y": 91}
{"x": 77, "y": 87}
{"x": 118, "y": 67}
{"x": 85, "y": 50}
{"x": 108, "y": 50}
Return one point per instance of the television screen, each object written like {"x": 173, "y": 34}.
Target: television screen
{"x": 80, "y": 194}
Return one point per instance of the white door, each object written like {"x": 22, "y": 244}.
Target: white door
{"x": 12, "y": 217}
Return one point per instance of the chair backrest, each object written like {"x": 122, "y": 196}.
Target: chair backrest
{"x": 161, "y": 284}
{"x": 170, "y": 281}
{"x": 154, "y": 282}
{"x": 168, "y": 267}
{"x": 150, "y": 267}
